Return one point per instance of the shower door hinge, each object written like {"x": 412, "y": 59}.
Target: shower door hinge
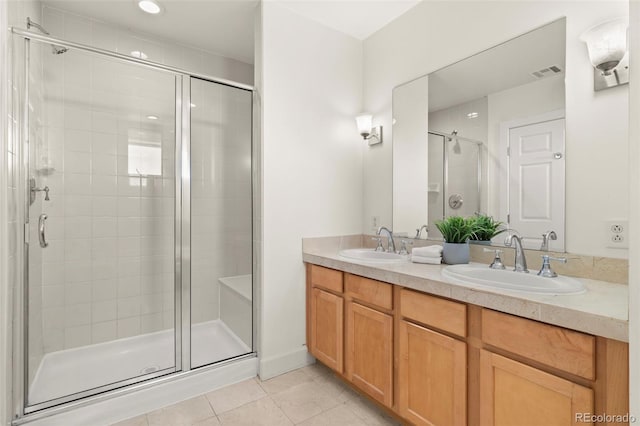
{"x": 508, "y": 218}
{"x": 26, "y": 233}
{"x": 508, "y": 151}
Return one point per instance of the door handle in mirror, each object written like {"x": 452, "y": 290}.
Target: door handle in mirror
{"x": 41, "y": 220}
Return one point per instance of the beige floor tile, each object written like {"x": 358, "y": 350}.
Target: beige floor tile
{"x": 335, "y": 387}
{"x": 263, "y": 412}
{"x": 369, "y": 412}
{"x": 212, "y": 421}
{"x": 135, "y": 421}
{"x": 234, "y": 396}
{"x": 285, "y": 381}
{"x": 316, "y": 370}
{"x": 304, "y": 401}
{"x": 338, "y": 416}
{"x": 184, "y": 413}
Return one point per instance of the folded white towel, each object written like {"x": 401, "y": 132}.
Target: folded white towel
{"x": 428, "y": 251}
{"x": 429, "y": 260}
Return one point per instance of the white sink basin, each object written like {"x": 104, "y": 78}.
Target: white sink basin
{"x": 482, "y": 275}
{"x": 370, "y": 255}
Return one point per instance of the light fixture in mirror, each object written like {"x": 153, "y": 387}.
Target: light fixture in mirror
{"x": 486, "y": 135}
{"x": 607, "y": 47}
{"x": 371, "y": 134}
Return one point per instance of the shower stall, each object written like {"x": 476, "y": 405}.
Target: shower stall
{"x": 136, "y": 195}
{"x": 454, "y": 176}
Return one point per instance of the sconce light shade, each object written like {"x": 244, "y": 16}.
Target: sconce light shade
{"x": 365, "y": 127}
{"x": 607, "y": 44}
{"x": 364, "y": 122}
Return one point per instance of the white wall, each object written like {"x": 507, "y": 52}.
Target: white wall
{"x": 634, "y": 211}
{"x": 312, "y": 166}
{"x": 423, "y": 40}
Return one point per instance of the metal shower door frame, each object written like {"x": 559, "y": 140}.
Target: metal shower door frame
{"x": 182, "y": 249}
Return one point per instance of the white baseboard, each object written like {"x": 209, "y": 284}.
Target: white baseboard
{"x": 283, "y": 363}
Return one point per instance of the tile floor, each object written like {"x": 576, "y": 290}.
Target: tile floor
{"x": 310, "y": 396}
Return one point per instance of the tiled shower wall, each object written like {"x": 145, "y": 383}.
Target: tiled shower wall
{"x": 108, "y": 270}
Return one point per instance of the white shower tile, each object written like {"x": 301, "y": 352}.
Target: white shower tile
{"x": 53, "y": 274}
{"x": 77, "y": 272}
{"x": 77, "y": 249}
{"x": 128, "y": 307}
{"x": 103, "y": 269}
{"x": 105, "y": 310}
{"x": 102, "y": 290}
{"x": 128, "y": 286}
{"x": 54, "y": 252}
{"x": 129, "y": 246}
{"x": 104, "y": 36}
{"x": 79, "y": 314}
{"x": 77, "y": 184}
{"x": 104, "y": 206}
{"x": 151, "y": 322}
{"x": 128, "y": 267}
{"x": 128, "y": 327}
{"x": 77, "y": 336}
{"x": 103, "y": 143}
{"x": 52, "y": 296}
{"x": 103, "y": 164}
{"x": 77, "y": 205}
{"x": 128, "y": 206}
{"x": 104, "y": 122}
{"x": 77, "y": 227}
{"x": 128, "y": 226}
{"x": 77, "y": 293}
{"x": 105, "y": 227}
{"x": 128, "y": 186}
{"x": 102, "y": 248}
{"x": 77, "y": 118}
{"x": 105, "y": 185}
{"x": 53, "y": 318}
{"x": 104, "y": 331}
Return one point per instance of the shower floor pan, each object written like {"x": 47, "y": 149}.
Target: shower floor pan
{"x": 76, "y": 370}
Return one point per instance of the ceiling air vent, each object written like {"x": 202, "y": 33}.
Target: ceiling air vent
{"x": 546, "y": 72}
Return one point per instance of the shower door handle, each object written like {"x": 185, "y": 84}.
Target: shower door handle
{"x": 43, "y": 241}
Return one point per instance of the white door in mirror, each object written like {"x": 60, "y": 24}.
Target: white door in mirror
{"x": 536, "y": 181}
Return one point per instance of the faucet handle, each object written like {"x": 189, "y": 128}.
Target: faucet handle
{"x": 545, "y": 270}
{"x": 497, "y": 260}
{"x": 379, "y": 240}
{"x": 403, "y": 246}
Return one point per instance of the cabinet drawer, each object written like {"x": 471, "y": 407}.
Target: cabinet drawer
{"x": 369, "y": 291}
{"x": 326, "y": 278}
{"x": 557, "y": 347}
{"x": 435, "y": 312}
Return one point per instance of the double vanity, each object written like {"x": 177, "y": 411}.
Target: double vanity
{"x": 438, "y": 345}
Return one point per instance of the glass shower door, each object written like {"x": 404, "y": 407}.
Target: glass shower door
{"x": 221, "y": 223}
{"x": 101, "y": 255}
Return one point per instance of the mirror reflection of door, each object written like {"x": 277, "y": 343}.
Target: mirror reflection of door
{"x": 535, "y": 160}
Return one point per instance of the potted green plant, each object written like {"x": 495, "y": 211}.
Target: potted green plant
{"x": 485, "y": 228}
{"x": 456, "y": 231}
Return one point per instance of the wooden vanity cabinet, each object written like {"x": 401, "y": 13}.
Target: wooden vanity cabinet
{"x": 439, "y": 362}
{"x": 325, "y": 316}
{"x": 432, "y": 366}
{"x": 369, "y": 337}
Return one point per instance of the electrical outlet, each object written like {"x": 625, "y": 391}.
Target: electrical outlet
{"x": 375, "y": 222}
{"x": 616, "y": 233}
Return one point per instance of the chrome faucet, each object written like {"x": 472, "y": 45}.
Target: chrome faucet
{"x": 549, "y": 235}
{"x": 520, "y": 261}
{"x": 391, "y": 245}
{"x": 419, "y": 231}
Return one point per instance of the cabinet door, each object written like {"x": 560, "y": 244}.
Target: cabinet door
{"x": 369, "y": 357}
{"x": 432, "y": 377}
{"x": 327, "y": 328}
{"x": 512, "y": 393}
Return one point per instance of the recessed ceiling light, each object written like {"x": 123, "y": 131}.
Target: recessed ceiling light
{"x": 152, "y": 117}
{"x": 193, "y": 105}
{"x": 139, "y": 54}
{"x": 150, "y": 6}
{"x": 472, "y": 115}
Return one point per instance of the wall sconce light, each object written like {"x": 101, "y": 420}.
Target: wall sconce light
{"x": 365, "y": 127}
{"x": 607, "y": 46}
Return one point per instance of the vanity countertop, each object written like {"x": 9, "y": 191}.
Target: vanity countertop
{"x": 601, "y": 311}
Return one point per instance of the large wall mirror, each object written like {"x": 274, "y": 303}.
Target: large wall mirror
{"x": 486, "y": 135}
